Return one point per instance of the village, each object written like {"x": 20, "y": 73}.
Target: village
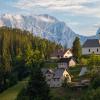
{"x": 49, "y": 49}
{"x": 66, "y": 61}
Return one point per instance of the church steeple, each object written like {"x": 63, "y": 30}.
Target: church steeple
{"x": 98, "y": 34}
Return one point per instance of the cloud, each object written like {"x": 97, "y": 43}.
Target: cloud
{"x": 97, "y": 25}
{"x": 77, "y": 7}
{"x": 85, "y": 12}
{"x": 46, "y": 3}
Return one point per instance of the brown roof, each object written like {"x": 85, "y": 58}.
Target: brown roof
{"x": 92, "y": 43}
{"x": 60, "y": 53}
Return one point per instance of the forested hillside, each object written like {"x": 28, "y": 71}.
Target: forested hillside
{"x": 18, "y": 49}
{"x": 44, "y": 25}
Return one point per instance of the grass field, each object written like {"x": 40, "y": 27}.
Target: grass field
{"x": 11, "y": 93}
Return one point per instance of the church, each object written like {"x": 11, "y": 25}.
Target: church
{"x": 91, "y": 46}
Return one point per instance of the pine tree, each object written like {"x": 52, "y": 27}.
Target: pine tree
{"x": 77, "y": 50}
{"x": 37, "y": 86}
{"x": 18, "y": 49}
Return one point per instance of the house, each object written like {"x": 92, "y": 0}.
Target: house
{"x": 66, "y": 62}
{"x": 63, "y": 63}
{"x": 60, "y": 75}
{"x": 48, "y": 73}
{"x": 61, "y": 54}
{"x": 91, "y": 46}
{"x": 56, "y": 78}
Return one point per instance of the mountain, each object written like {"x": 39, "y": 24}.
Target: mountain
{"x": 44, "y": 26}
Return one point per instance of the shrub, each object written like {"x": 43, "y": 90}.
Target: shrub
{"x": 93, "y": 94}
{"x": 95, "y": 81}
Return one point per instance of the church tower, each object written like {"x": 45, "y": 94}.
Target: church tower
{"x": 98, "y": 34}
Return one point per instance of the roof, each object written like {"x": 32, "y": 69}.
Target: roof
{"x": 91, "y": 43}
{"x": 50, "y": 71}
{"x": 58, "y": 72}
{"x": 66, "y": 60}
{"x": 60, "y": 53}
{"x": 46, "y": 70}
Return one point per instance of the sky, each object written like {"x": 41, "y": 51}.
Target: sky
{"x": 82, "y": 16}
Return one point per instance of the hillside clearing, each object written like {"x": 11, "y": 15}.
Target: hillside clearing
{"x": 11, "y": 93}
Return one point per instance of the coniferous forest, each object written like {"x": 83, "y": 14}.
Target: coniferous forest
{"x": 18, "y": 51}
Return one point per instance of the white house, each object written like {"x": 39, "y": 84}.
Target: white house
{"x": 91, "y": 46}
{"x": 68, "y": 53}
{"x": 61, "y": 54}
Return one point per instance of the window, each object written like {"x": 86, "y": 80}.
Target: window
{"x": 97, "y": 50}
{"x": 89, "y": 50}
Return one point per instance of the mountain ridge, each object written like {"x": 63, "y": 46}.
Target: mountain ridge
{"x": 44, "y": 26}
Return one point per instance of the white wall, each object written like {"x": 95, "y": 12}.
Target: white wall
{"x": 66, "y": 75}
{"x": 68, "y": 54}
{"x": 85, "y": 51}
{"x": 72, "y": 63}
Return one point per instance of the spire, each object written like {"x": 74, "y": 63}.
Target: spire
{"x": 98, "y": 34}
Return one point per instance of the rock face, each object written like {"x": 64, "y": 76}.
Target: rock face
{"x": 44, "y": 26}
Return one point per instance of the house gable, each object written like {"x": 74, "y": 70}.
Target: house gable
{"x": 68, "y": 54}
{"x": 61, "y": 54}
{"x": 72, "y": 63}
{"x": 67, "y": 76}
